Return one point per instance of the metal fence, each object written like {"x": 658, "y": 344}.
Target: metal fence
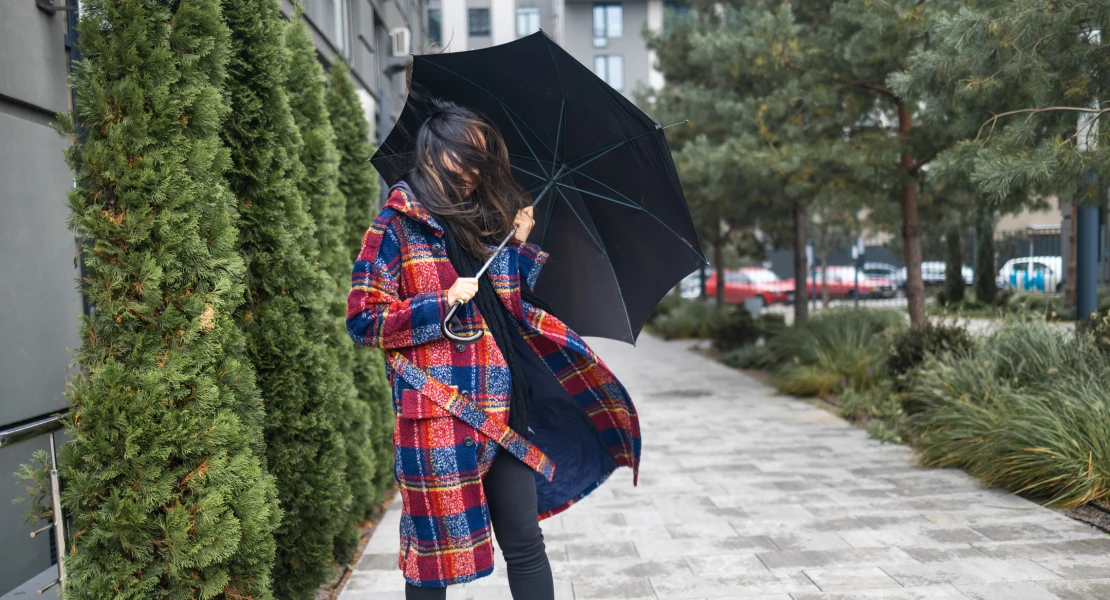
{"x": 871, "y": 271}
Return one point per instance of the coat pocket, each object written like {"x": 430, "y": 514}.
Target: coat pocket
{"x": 415, "y": 405}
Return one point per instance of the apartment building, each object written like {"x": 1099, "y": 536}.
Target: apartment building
{"x": 605, "y": 35}
{"x": 39, "y": 324}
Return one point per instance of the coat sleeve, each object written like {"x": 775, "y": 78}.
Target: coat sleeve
{"x": 376, "y": 315}
{"x": 530, "y": 259}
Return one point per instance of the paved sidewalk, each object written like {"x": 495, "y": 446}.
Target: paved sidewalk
{"x": 744, "y": 494}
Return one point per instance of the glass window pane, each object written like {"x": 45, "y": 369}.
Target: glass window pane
{"x": 435, "y": 27}
{"x": 599, "y": 20}
{"x": 614, "y": 20}
{"x": 478, "y": 21}
{"x": 616, "y": 72}
{"x": 599, "y": 66}
{"x": 527, "y": 21}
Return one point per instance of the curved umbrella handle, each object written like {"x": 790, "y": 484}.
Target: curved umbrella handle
{"x": 454, "y": 337}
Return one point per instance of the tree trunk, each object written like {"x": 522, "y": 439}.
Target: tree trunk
{"x": 1070, "y": 269}
{"x": 801, "y": 300}
{"x": 911, "y": 228}
{"x": 719, "y": 264}
{"x": 986, "y": 288}
{"x": 954, "y": 283}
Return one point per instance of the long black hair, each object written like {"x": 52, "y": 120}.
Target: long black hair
{"x": 456, "y": 143}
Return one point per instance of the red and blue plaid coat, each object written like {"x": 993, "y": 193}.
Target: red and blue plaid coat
{"x": 451, "y": 401}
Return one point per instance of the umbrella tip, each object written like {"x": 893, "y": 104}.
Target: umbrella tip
{"x": 370, "y": 159}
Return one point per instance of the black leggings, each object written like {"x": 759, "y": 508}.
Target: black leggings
{"x": 510, "y": 487}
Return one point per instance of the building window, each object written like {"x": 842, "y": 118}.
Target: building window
{"x": 610, "y": 67}
{"x": 477, "y": 21}
{"x": 330, "y": 16}
{"x": 435, "y": 26}
{"x": 679, "y": 13}
{"x": 608, "y": 22}
{"x": 527, "y": 21}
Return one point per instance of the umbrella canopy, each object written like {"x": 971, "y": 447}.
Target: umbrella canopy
{"x": 613, "y": 216}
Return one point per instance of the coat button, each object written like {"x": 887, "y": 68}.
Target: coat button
{"x": 465, "y": 393}
{"x": 468, "y": 441}
{"x": 437, "y": 247}
{"x": 460, "y": 347}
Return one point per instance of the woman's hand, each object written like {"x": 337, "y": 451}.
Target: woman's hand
{"x": 463, "y": 290}
{"x": 524, "y": 222}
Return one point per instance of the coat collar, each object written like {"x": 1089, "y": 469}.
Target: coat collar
{"x": 404, "y": 201}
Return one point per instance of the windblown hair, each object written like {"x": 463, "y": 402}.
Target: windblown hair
{"x": 456, "y": 136}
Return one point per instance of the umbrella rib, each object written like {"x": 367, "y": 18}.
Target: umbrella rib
{"x": 559, "y": 129}
{"x": 649, "y": 213}
{"x": 547, "y": 220}
{"x": 527, "y": 172}
{"x": 585, "y": 160}
{"x": 608, "y": 261}
{"x": 563, "y": 108}
{"x": 535, "y": 157}
{"x": 603, "y": 197}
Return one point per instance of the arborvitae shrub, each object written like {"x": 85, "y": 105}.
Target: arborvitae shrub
{"x": 320, "y": 188}
{"x": 286, "y": 316}
{"x": 165, "y": 478}
{"x": 358, "y": 184}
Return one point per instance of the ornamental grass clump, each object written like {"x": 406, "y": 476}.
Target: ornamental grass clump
{"x": 1028, "y": 411}
{"x": 837, "y": 349}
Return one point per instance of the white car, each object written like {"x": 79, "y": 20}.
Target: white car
{"x": 932, "y": 274}
{"x": 1033, "y": 273}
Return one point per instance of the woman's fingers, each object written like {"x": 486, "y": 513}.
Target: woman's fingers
{"x": 462, "y": 290}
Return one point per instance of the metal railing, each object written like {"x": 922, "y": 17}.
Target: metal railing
{"x": 45, "y": 425}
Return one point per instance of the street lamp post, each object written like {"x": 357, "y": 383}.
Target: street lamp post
{"x": 1086, "y": 242}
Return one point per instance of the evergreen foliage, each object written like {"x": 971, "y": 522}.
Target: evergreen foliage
{"x": 286, "y": 316}
{"x": 320, "y": 190}
{"x": 1035, "y": 66}
{"x": 358, "y": 184}
{"x": 165, "y": 475}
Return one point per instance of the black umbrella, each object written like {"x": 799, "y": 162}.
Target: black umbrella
{"x": 609, "y": 207}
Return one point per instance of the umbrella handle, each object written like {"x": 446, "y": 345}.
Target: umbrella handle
{"x": 454, "y": 337}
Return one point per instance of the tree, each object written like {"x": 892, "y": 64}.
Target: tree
{"x": 165, "y": 472}
{"x": 1035, "y": 65}
{"x": 1033, "y": 69}
{"x": 873, "y": 42}
{"x": 320, "y": 189}
{"x": 358, "y": 184}
{"x": 778, "y": 129}
{"x": 285, "y": 317}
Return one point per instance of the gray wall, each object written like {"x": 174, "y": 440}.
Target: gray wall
{"x": 578, "y": 40}
{"x": 38, "y": 324}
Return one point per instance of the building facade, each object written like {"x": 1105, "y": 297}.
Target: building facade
{"x": 605, "y": 35}
{"x": 39, "y": 324}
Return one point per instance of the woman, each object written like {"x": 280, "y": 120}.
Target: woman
{"x": 499, "y": 433}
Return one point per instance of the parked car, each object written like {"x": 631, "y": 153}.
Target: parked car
{"x": 876, "y": 270}
{"x": 690, "y": 286}
{"x": 751, "y": 282}
{"x": 841, "y": 282}
{"x": 932, "y": 273}
{"x": 1033, "y": 273}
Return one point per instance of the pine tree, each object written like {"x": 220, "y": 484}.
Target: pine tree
{"x": 1035, "y": 67}
{"x": 286, "y": 316}
{"x": 165, "y": 474}
{"x": 320, "y": 189}
{"x": 358, "y": 183}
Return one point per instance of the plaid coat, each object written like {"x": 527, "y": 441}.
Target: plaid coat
{"x": 451, "y": 401}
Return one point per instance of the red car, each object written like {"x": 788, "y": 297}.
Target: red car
{"x": 841, "y": 282}
{"x": 751, "y": 282}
